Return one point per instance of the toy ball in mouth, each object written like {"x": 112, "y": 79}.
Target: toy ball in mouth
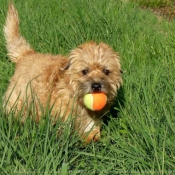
{"x": 95, "y": 101}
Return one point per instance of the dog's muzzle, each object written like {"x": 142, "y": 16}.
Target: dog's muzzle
{"x": 96, "y": 87}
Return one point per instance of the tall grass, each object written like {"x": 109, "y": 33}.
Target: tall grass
{"x": 139, "y": 135}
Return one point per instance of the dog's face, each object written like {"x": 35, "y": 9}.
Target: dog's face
{"x": 95, "y": 68}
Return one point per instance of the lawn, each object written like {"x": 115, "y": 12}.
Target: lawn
{"x": 139, "y": 135}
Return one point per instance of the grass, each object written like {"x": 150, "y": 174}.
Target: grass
{"x": 139, "y": 135}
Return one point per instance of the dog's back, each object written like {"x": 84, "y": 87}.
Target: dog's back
{"x": 35, "y": 73}
{"x": 16, "y": 44}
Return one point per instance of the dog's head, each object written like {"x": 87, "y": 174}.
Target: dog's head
{"x": 95, "y": 68}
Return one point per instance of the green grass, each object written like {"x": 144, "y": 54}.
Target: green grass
{"x": 139, "y": 135}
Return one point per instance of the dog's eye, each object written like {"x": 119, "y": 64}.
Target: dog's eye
{"x": 84, "y": 72}
{"x": 107, "y": 72}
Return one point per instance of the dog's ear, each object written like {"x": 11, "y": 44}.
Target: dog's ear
{"x": 67, "y": 65}
{"x": 121, "y": 71}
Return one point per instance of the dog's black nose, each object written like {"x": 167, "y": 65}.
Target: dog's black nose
{"x": 96, "y": 87}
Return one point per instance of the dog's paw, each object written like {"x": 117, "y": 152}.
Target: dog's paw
{"x": 93, "y": 135}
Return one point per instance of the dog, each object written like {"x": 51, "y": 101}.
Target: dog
{"x": 60, "y": 82}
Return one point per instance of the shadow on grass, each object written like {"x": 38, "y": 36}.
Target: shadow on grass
{"x": 115, "y": 108}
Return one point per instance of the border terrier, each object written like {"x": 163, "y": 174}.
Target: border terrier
{"x": 60, "y": 82}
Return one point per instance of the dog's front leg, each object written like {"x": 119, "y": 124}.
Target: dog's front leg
{"x": 93, "y": 135}
{"x": 89, "y": 131}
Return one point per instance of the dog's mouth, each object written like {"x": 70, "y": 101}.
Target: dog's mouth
{"x": 93, "y": 87}
{"x": 97, "y": 88}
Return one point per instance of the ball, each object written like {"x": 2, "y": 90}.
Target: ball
{"x": 95, "y": 101}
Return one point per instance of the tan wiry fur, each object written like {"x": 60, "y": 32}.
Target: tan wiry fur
{"x": 60, "y": 82}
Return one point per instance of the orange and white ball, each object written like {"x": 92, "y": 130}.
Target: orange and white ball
{"x": 95, "y": 101}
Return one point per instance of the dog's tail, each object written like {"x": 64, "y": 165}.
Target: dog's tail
{"x": 16, "y": 44}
